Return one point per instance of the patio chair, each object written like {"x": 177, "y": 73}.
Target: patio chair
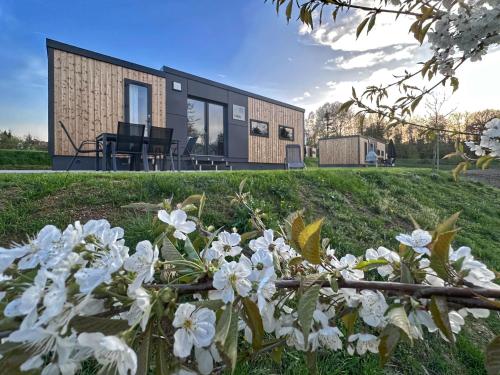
{"x": 188, "y": 150}
{"x": 160, "y": 145}
{"x": 79, "y": 149}
{"x": 129, "y": 141}
{"x": 293, "y": 159}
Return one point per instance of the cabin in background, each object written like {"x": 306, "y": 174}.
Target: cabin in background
{"x": 91, "y": 92}
{"x": 349, "y": 151}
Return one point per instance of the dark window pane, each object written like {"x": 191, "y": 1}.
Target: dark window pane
{"x": 196, "y": 124}
{"x": 286, "y": 133}
{"x": 215, "y": 129}
{"x": 259, "y": 128}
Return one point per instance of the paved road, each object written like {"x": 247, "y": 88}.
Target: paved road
{"x": 488, "y": 176}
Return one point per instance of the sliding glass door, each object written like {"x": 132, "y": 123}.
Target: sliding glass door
{"x": 138, "y": 103}
{"x": 206, "y": 122}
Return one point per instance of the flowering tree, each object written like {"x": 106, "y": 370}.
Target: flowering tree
{"x": 456, "y": 31}
{"x": 186, "y": 303}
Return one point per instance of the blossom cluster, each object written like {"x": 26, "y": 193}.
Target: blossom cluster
{"x": 490, "y": 140}
{"x": 464, "y": 29}
{"x": 59, "y": 286}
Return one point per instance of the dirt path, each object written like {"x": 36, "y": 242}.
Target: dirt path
{"x": 488, "y": 176}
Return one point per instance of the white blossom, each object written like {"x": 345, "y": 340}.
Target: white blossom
{"x": 142, "y": 262}
{"x": 273, "y": 245}
{"x": 233, "y": 277}
{"x": 418, "y": 240}
{"x": 205, "y": 358}
{"x": 140, "y": 309}
{"x": 228, "y": 244}
{"x": 386, "y": 254}
{"x": 365, "y": 342}
{"x": 347, "y": 265}
{"x": 177, "y": 219}
{"x": 373, "y": 308}
{"x": 194, "y": 328}
{"x": 110, "y": 351}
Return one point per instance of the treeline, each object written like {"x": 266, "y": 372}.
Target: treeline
{"x": 10, "y": 141}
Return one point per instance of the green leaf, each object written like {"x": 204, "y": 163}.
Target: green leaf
{"x": 309, "y": 242}
{"x": 214, "y": 305}
{"x": 203, "y": 200}
{"x": 439, "y": 312}
{"x": 288, "y": 10}
{"x": 460, "y": 168}
{"x": 312, "y": 362}
{"x": 228, "y": 348}
{"x": 276, "y": 354}
{"x": 440, "y": 251}
{"x": 162, "y": 358}
{"x": 493, "y": 357}
{"x": 371, "y": 23}
{"x": 389, "y": 339}
{"x": 448, "y": 224}
{"x": 144, "y": 350}
{"x": 297, "y": 226}
{"x": 223, "y": 324}
{"x": 349, "y": 321}
{"x": 397, "y": 317}
{"x": 370, "y": 264}
{"x": 415, "y": 103}
{"x": 295, "y": 261}
{"x": 192, "y": 199}
{"x": 406, "y": 275}
{"x": 254, "y": 321}
{"x": 191, "y": 252}
{"x": 334, "y": 284}
{"x": 169, "y": 251}
{"x": 482, "y": 160}
{"x": 306, "y": 307}
{"x": 361, "y": 26}
{"x": 96, "y": 324}
{"x": 345, "y": 106}
{"x": 454, "y": 83}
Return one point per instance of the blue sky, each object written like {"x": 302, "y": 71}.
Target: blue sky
{"x": 237, "y": 42}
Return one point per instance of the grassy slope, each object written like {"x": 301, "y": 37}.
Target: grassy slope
{"x": 363, "y": 208}
{"x": 24, "y": 159}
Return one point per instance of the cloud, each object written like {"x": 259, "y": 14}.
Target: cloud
{"x": 372, "y": 58}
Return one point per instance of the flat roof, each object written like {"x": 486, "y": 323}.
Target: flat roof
{"x": 161, "y": 73}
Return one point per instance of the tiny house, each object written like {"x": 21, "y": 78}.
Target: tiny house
{"x": 349, "y": 150}
{"x": 91, "y": 92}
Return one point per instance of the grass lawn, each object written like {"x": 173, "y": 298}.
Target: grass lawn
{"x": 24, "y": 159}
{"x": 363, "y": 208}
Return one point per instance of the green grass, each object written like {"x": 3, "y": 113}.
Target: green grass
{"x": 24, "y": 159}
{"x": 362, "y": 207}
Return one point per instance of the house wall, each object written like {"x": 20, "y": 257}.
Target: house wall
{"x": 339, "y": 151}
{"x": 380, "y": 146}
{"x": 272, "y": 149}
{"x": 88, "y": 97}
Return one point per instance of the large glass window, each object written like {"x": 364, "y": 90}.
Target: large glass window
{"x": 286, "y": 133}
{"x": 215, "y": 129}
{"x": 206, "y": 122}
{"x": 138, "y": 103}
{"x": 259, "y": 128}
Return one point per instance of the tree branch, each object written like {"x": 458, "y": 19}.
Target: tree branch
{"x": 466, "y": 297}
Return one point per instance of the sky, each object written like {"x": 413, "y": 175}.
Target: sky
{"x": 242, "y": 43}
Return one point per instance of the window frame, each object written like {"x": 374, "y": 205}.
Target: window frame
{"x": 258, "y": 135}
{"x": 283, "y": 138}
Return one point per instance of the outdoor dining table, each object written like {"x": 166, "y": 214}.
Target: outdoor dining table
{"x": 105, "y": 138}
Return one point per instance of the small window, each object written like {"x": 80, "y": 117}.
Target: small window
{"x": 259, "y": 128}
{"x": 286, "y": 133}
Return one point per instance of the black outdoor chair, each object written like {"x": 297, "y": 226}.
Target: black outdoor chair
{"x": 188, "y": 150}
{"x": 80, "y": 149}
{"x": 293, "y": 159}
{"x": 160, "y": 145}
{"x": 129, "y": 141}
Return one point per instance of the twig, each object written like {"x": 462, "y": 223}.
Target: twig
{"x": 463, "y": 296}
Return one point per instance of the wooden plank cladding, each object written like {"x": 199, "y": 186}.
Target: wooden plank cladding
{"x": 339, "y": 151}
{"x": 89, "y": 98}
{"x": 348, "y": 150}
{"x": 271, "y": 149}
